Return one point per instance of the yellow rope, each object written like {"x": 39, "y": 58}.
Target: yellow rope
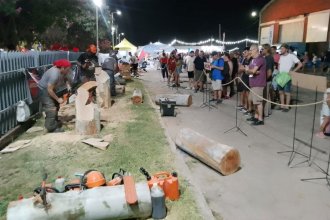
{"x": 260, "y": 97}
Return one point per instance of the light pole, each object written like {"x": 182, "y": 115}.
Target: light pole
{"x": 98, "y": 4}
{"x": 113, "y": 27}
{"x": 121, "y": 34}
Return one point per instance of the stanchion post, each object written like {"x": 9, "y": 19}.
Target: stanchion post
{"x": 293, "y": 151}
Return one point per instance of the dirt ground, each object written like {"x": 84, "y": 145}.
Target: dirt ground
{"x": 138, "y": 141}
{"x": 265, "y": 187}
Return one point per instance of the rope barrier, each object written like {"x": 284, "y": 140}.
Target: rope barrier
{"x": 269, "y": 101}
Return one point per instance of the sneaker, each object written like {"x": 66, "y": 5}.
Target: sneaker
{"x": 285, "y": 110}
{"x": 58, "y": 130}
{"x": 277, "y": 107}
{"x": 240, "y": 107}
{"x": 196, "y": 90}
{"x": 247, "y": 113}
{"x": 243, "y": 110}
{"x": 188, "y": 88}
{"x": 219, "y": 101}
{"x": 201, "y": 90}
{"x": 258, "y": 122}
{"x": 213, "y": 100}
{"x": 253, "y": 119}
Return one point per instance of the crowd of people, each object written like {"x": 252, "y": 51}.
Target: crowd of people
{"x": 262, "y": 71}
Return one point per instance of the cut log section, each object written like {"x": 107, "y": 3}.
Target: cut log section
{"x": 106, "y": 202}
{"x": 87, "y": 112}
{"x": 181, "y": 99}
{"x": 220, "y": 157}
{"x": 120, "y": 89}
{"x": 103, "y": 88}
{"x": 137, "y": 97}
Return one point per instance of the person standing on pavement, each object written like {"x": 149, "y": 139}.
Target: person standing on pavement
{"x": 190, "y": 68}
{"x": 283, "y": 79}
{"x": 266, "y": 52}
{"x": 171, "y": 64}
{"x": 217, "y": 67}
{"x": 51, "y": 81}
{"x": 325, "y": 116}
{"x": 178, "y": 70}
{"x": 163, "y": 65}
{"x": 246, "y": 106}
{"x": 258, "y": 75}
{"x": 199, "y": 76}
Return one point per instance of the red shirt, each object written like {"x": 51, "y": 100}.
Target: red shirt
{"x": 171, "y": 64}
{"x": 163, "y": 60}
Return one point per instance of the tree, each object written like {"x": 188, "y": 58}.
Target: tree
{"x": 50, "y": 21}
{"x": 24, "y": 20}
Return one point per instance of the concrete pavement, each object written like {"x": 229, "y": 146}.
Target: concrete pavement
{"x": 265, "y": 187}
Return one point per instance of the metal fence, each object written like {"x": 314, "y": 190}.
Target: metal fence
{"x": 14, "y": 85}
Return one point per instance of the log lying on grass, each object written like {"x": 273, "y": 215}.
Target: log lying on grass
{"x": 181, "y": 99}
{"x": 120, "y": 89}
{"x": 137, "y": 97}
{"x": 220, "y": 157}
{"x": 87, "y": 112}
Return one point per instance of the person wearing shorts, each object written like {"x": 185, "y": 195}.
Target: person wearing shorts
{"x": 257, "y": 72}
{"x": 199, "y": 76}
{"x": 190, "y": 68}
{"x": 325, "y": 116}
{"x": 217, "y": 67}
{"x": 286, "y": 62}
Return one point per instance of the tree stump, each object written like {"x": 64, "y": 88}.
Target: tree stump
{"x": 103, "y": 88}
{"x": 220, "y": 157}
{"x": 120, "y": 89}
{"x": 87, "y": 112}
{"x": 181, "y": 99}
{"x": 137, "y": 97}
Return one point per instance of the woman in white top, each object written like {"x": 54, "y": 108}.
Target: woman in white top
{"x": 325, "y": 116}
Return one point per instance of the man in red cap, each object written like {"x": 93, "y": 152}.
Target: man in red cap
{"x": 53, "y": 80}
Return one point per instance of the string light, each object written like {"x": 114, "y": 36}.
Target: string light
{"x": 212, "y": 40}
{"x": 236, "y": 48}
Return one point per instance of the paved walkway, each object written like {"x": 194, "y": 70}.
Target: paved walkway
{"x": 265, "y": 188}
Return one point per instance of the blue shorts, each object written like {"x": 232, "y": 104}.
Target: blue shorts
{"x": 286, "y": 88}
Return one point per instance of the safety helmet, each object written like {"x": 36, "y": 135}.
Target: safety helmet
{"x": 94, "y": 178}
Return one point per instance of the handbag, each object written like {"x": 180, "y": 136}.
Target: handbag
{"x": 282, "y": 78}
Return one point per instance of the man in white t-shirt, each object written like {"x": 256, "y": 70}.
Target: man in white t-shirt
{"x": 286, "y": 63}
{"x": 190, "y": 68}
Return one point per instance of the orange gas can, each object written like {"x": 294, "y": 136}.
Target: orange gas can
{"x": 165, "y": 180}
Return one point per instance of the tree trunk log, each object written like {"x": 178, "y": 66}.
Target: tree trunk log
{"x": 87, "y": 112}
{"x": 220, "y": 157}
{"x": 181, "y": 99}
{"x": 103, "y": 88}
{"x": 137, "y": 97}
{"x": 106, "y": 202}
{"x": 120, "y": 89}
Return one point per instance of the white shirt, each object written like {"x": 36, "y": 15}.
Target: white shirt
{"x": 190, "y": 63}
{"x": 287, "y": 62}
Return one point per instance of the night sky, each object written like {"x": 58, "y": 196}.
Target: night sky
{"x": 145, "y": 21}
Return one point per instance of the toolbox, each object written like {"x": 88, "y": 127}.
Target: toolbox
{"x": 167, "y": 107}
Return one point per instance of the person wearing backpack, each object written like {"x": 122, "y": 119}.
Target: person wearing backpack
{"x": 216, "y": 76}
